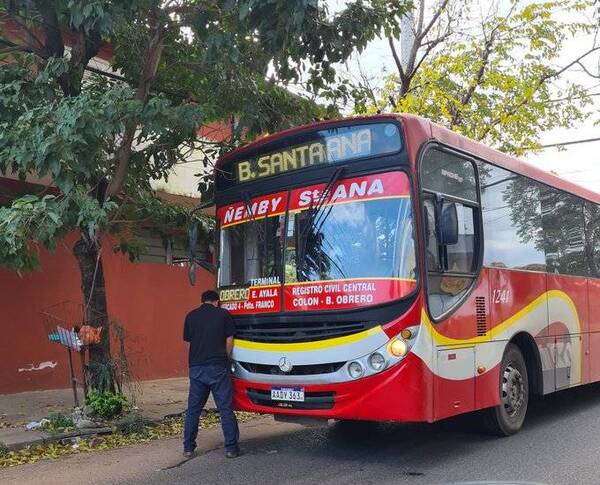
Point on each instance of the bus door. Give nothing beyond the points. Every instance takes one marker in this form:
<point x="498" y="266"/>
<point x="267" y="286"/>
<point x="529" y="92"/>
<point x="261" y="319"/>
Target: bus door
<point x="452" y="231"/>
<point x="594" y="325"/>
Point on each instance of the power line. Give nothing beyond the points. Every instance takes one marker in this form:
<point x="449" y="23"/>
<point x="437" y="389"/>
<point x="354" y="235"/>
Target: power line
<point x="573" y="142"/>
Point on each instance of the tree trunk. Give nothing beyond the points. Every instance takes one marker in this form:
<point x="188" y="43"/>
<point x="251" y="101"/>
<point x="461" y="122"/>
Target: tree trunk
<point x="87" y="251"/>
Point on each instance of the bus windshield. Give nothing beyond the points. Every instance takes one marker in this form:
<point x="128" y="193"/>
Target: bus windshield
<point x="357" y="240"/>
<point x="317" y="249"/>
<point x="251" y="252"/>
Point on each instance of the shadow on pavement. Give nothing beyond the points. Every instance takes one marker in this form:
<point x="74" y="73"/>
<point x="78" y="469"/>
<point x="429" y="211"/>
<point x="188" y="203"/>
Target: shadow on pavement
<point x="443" y="439"/>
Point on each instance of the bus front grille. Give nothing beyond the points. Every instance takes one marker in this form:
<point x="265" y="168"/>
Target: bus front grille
<point x="302" y="331"/>
<point x="312" y="400"/>
<point x="297" y="370"/>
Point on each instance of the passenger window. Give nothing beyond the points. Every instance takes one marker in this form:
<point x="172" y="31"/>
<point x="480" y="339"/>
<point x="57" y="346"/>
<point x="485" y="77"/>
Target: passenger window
<point x="512" y="220"/>
<point x="563" y="221"/>
<point x="451" y="227"/>
<point x="592" y="238"/>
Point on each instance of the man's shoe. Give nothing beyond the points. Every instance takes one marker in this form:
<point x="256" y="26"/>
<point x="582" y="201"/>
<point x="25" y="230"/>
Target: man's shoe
<point x="232" y="454"/>
<point x="188" y="454"/>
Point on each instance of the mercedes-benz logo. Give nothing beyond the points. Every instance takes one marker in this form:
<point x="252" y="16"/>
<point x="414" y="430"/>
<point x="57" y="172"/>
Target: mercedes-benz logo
<point x="285" y="365"/>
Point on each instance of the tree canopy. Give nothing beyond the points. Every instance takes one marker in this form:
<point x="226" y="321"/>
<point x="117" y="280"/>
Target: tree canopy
<point x="180" y="64"/>
<point x="497" y="75"/>
<point x="176" y="65"/>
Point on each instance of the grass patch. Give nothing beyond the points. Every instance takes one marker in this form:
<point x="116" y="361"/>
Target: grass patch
<point x="129" y="433"/>
<point x="58" y="423"/>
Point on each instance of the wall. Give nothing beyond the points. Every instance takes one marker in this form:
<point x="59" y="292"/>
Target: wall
<point x="148" y="300"/>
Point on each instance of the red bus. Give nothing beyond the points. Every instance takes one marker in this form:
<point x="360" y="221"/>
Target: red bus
<point x="386" y="268"/>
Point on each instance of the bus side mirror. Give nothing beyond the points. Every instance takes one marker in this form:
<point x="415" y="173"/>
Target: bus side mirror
<point x="194" y="260"/>
<point x="449" y="224"/>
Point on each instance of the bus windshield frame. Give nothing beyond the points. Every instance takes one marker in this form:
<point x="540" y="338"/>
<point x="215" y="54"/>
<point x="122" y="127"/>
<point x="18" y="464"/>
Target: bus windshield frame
<point x="327" y="230"/>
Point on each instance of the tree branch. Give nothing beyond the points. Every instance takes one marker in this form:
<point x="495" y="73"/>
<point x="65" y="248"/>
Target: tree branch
<point x="396" y="57"/>
<point x="429" y="47"/>
<point x="53" y="41"/>
<point x="576" y="61"/>
<point x="487" y="50"/>
<point x="539" y="83"/>
<point x="432" y="22"/>
<point x="585" y="69"/>
<point x="34" y="44"/>
<point x="15" y="48"/>
<point x="152" y="57"/>
<point x="406" y="73"/>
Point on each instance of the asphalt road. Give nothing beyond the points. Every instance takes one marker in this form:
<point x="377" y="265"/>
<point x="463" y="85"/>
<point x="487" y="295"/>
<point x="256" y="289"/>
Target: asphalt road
<point x="560" y="444"/>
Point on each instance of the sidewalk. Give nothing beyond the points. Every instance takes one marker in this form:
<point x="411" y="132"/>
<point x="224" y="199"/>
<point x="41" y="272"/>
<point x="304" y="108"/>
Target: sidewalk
<point x="154" y="399"/>
<point x="157" y="460"/>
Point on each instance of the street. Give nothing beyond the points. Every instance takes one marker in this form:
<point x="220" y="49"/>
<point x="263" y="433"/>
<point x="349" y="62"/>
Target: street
<point x="560" y="444"/>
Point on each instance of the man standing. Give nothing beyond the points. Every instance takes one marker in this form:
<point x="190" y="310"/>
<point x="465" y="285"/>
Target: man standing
<point x="209" y="331"/>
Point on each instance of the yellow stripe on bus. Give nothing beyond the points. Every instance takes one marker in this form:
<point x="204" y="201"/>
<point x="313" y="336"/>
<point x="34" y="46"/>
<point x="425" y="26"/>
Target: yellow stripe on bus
<point x="442" y="340"/>
<point x="306" y="346"/>
<point x="251" y="219"/>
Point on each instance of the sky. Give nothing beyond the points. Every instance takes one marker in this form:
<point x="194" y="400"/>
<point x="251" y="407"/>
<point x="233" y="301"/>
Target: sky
<point x="579" y="163"/>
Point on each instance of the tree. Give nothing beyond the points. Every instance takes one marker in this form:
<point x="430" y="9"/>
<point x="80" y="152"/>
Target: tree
<point x="179" y="64"/>
<point x="493" y="76"/>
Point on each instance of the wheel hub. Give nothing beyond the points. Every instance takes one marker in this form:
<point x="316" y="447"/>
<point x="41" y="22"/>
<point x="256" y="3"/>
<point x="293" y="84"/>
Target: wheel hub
<point x="513" y="390"/>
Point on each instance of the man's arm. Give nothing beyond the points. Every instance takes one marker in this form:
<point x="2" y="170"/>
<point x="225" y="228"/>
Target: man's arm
<point x="187" y="334"/>
<point x="229" y="333"/>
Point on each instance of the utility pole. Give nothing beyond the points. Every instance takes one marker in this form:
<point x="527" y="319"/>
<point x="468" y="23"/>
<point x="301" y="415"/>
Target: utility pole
<point x="407" y="40"/>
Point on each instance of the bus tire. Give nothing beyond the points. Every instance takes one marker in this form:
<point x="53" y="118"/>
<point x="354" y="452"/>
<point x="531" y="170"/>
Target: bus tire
<point x="507" y="418"/>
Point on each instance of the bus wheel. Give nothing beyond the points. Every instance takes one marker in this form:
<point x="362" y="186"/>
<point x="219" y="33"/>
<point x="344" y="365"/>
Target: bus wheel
<point x="507" y="418"/>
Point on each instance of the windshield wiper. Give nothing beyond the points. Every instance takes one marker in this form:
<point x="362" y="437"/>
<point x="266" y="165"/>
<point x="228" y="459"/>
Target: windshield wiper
<point x="314" y="215"/>
<point x="313" y="212"/>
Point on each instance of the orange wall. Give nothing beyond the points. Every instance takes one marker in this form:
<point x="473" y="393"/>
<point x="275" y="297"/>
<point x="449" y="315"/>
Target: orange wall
<point x="148" y="300"/>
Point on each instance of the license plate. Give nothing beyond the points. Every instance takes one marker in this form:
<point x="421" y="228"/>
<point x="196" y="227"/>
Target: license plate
<point x="287" y="394"/>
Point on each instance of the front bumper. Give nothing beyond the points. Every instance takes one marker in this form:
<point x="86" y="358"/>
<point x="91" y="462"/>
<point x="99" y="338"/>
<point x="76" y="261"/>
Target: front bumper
<point x="400" y="393"/>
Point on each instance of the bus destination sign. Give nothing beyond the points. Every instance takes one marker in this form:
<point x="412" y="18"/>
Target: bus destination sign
<point x="327" y="146"/>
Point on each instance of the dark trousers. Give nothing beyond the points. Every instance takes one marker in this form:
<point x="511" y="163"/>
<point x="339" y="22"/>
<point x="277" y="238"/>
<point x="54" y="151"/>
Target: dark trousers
<point x="203" y="380"/>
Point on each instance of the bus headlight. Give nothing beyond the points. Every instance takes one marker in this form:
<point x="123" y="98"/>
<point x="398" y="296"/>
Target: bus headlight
<point x="390" y="353"/>
<point x="232" y="367"/>
<point x="355" y="369"/>
<point x="377" y="361"/>
<point x="397" y="347"/>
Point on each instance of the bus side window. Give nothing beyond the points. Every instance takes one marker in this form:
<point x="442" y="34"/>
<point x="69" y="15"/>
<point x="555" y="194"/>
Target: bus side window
<point x="431" y="243"/>
<point x="592" y="238"/>
<point x="461" y="255"/>
<point x="449" y="199"/>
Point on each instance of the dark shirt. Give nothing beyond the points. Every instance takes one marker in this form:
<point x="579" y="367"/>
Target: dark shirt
<point x="206" y="329"/>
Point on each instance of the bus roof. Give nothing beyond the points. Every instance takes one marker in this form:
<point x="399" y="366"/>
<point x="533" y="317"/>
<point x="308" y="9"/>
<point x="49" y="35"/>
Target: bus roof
<point x="423" y="129"/>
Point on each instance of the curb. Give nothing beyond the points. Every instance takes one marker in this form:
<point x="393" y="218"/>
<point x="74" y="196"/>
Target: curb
<point x="45" y="438"/>
<point x="41" y="438"/>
